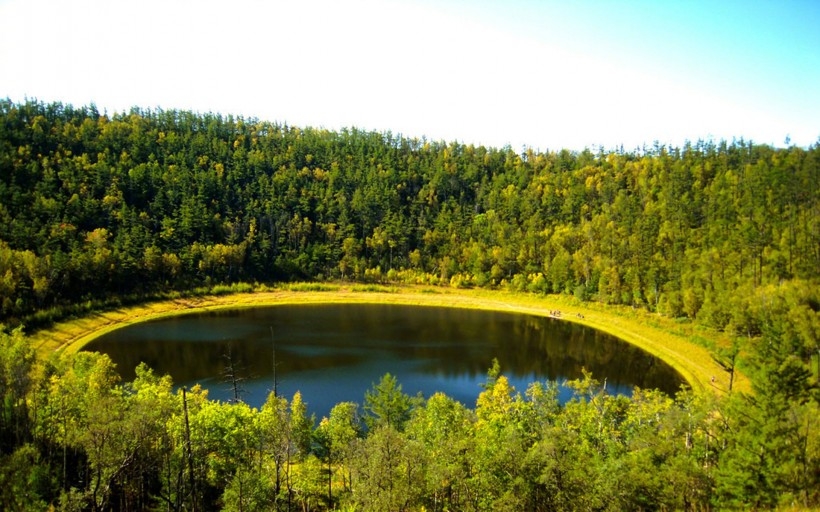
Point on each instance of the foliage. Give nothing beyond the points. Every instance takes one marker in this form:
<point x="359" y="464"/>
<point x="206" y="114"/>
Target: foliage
<point x="95" y="206"/>
<point x="386" y="404"/>
<point x="99" y="209"/>
<point x="88" y="441"/>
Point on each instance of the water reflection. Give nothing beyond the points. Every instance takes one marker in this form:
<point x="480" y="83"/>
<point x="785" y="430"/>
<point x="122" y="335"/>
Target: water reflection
<point x="333" y="353"/>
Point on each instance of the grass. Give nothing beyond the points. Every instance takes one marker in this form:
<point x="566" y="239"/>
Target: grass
<point x="311" y="287"/>
<point x="374" y="288"/>
<point x="682" y="346"/>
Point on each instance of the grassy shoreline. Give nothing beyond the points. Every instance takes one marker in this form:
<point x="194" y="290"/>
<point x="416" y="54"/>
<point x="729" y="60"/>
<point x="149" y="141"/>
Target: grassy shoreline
<point x="664" y="338"/>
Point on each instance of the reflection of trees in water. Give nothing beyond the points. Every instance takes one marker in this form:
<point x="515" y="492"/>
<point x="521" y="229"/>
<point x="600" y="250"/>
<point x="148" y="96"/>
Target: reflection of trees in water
<point x="192" y="361"/>
<point x="465" y="341"/>
<point x="529" y="345"/>
<point x="565" y="348"/>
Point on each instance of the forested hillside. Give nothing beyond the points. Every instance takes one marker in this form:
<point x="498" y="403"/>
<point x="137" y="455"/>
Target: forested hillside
<point x="94" y="204"/>
<point x="97" y="207"/>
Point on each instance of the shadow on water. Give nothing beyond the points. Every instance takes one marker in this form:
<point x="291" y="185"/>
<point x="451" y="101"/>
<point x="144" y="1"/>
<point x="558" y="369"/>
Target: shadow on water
<point x="333" y="353"/>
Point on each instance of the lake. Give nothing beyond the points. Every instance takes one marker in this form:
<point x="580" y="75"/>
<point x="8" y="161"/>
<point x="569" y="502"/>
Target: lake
<point x="334" y="353"/>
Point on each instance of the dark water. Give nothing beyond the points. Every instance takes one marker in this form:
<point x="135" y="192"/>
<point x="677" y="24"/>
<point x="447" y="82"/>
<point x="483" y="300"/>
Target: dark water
<point x="334" y="353"/>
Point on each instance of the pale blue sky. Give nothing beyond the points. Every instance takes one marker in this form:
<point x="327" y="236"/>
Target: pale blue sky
<point x="526" y="73"/>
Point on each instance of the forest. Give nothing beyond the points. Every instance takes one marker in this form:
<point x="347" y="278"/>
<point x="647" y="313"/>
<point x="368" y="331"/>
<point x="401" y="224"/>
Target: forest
<point x="100" y="209"/>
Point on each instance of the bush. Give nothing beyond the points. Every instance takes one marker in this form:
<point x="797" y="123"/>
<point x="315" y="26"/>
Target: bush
<point x="311" y="287"/>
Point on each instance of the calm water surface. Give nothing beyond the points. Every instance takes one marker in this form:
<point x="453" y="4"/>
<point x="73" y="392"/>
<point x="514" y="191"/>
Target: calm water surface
<point x="334" y="353"/>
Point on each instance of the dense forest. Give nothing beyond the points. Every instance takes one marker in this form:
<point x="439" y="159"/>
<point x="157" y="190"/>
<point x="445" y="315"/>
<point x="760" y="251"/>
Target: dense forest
<point x="98" y="208"/>
<point x="94" y="205"/>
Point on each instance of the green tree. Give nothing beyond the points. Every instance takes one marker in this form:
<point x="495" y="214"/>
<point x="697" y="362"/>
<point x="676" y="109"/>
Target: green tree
<point x="387" y="471"/>
<point x="771" y="435"/>
<point x="335" y="436"/>
<point x="17" y="360"/>
<point x="275" y="450"/>
<point x="444" y="427"/>
<point x="386" y="404"/>
<point x="23" y="480"/>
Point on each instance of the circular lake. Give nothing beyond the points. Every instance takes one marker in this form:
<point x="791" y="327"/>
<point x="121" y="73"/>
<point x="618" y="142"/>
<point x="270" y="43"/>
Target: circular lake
<point x="334" y="353"/>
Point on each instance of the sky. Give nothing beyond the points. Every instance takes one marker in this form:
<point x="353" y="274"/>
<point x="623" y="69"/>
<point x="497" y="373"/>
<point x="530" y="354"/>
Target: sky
<point x="541" y="74"/>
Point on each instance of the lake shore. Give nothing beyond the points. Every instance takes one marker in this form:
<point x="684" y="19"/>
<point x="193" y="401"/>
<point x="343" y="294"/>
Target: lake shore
<point x="671" y="341"/>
